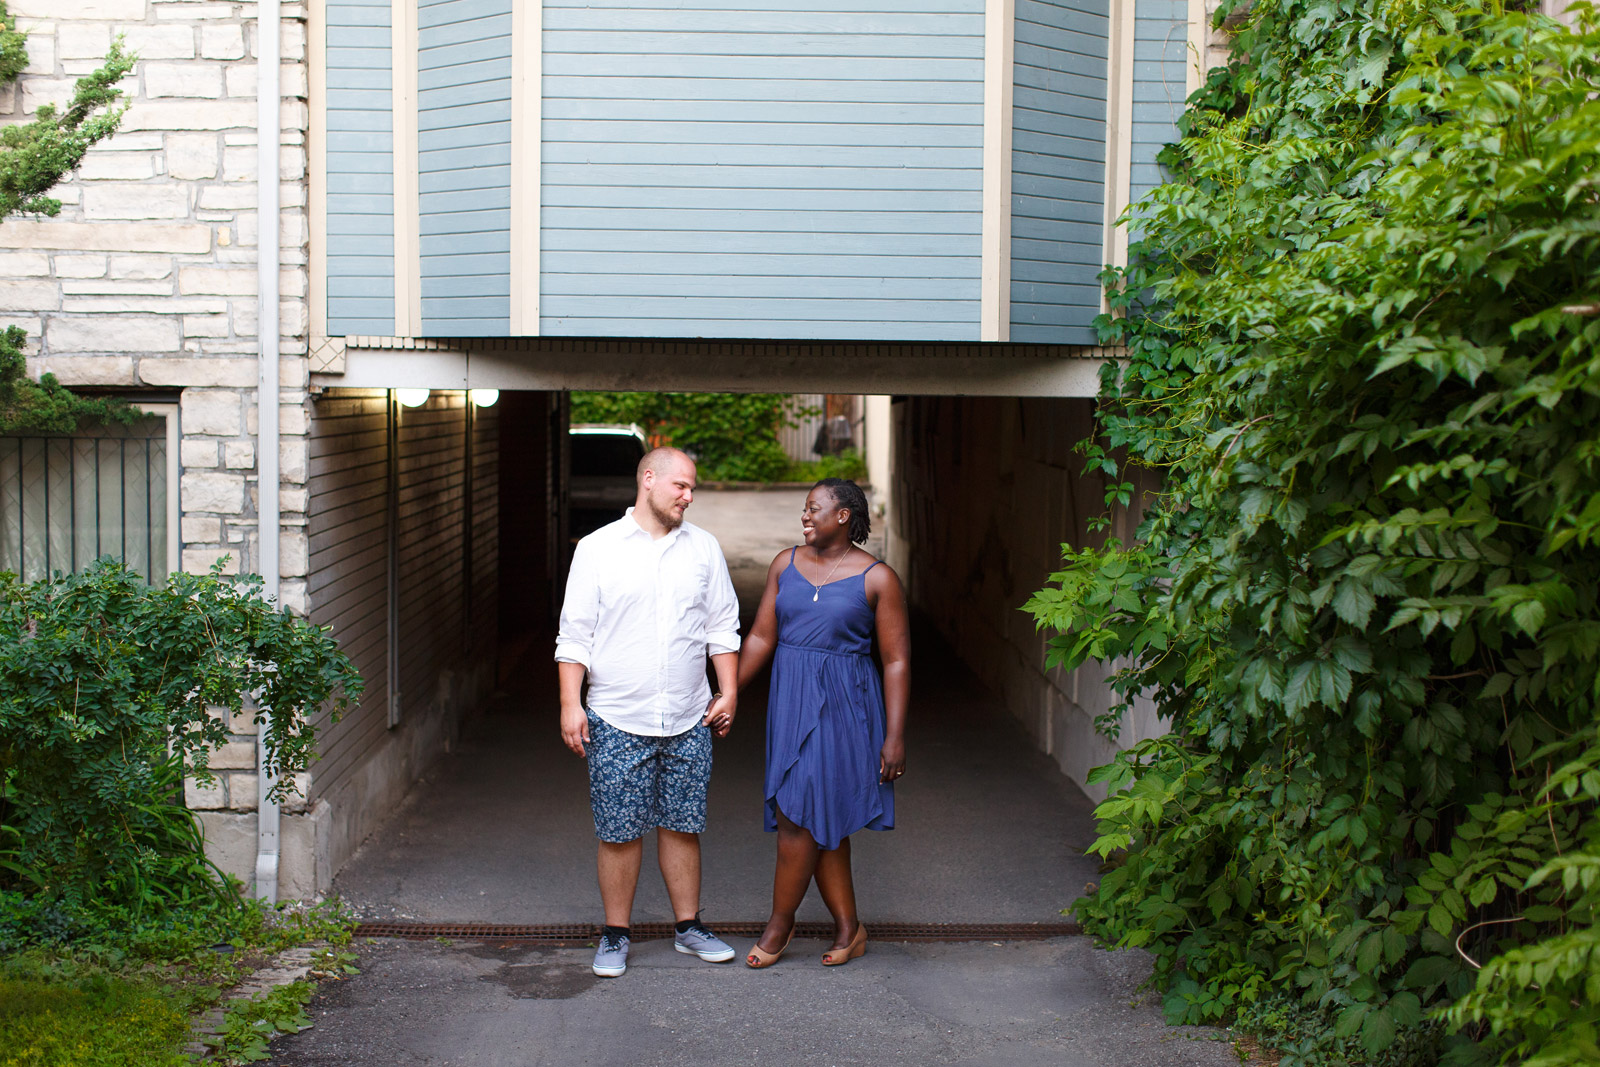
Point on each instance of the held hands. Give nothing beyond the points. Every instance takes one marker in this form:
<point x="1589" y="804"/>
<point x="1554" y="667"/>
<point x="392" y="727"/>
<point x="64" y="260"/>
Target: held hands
<point x="720" y="713"/>
<point x="574" y="728"/>
<point x="892" y="760"/>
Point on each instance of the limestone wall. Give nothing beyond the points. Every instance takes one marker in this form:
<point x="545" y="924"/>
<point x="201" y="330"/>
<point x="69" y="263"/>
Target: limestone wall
<point x="146" y="283"/>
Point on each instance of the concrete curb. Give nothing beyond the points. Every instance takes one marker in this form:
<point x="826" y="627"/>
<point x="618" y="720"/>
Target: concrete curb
<point x="289" y="966"/>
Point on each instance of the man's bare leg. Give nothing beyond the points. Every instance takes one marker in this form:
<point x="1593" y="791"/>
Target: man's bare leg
<point x="619" y="878"/>
<point x="680" y="869"/>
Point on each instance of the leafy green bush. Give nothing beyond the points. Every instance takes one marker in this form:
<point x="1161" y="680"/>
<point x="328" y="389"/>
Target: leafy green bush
<point x="1361" y="333"/>
<point x="847" y="464"/>
<point x="107" y="691"/>
<point x="732" y="436"/>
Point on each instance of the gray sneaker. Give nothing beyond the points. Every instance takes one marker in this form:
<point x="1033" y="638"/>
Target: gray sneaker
<point x="611" y="956"/>
<point x="698" y="941"/>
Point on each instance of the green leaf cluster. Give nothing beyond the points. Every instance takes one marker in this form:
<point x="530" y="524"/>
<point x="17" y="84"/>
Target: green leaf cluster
<point x="47" y="406"/>
<point x="35" y="155"/>
<point x="732" y="436"/>
<point x="109" y="691"/>
<point x="249" y="1024"/>
<point x="1361" y="348"/>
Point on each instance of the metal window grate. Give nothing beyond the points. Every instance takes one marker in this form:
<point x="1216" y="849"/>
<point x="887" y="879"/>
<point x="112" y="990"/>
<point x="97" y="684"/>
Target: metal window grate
<point x="66" y="501"/>
<point x="581" y="933"/>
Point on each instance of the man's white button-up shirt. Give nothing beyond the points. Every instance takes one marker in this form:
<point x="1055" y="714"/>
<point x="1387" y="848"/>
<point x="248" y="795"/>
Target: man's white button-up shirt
<point x="641" y="614"/>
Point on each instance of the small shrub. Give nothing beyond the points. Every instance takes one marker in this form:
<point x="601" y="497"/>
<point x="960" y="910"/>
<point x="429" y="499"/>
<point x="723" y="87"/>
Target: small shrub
<point x="106" y="694"/>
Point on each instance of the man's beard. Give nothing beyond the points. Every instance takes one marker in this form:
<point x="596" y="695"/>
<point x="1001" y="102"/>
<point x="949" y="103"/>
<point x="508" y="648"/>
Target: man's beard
<point x="666" y="516"/>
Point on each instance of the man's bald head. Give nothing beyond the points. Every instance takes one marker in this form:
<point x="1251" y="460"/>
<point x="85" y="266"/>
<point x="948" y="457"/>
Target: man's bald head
<point x="661" y="462"/>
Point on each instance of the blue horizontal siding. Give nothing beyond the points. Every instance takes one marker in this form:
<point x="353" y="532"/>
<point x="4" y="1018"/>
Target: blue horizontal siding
<point x="762" y="169"/>
<point x="763" y="183"/>
<point x="1160" y="83"/>
<point x="698" y="269"/>
<point x="360" y="168"/>
<point x="611" y="84"/>
<point x="463" y="166"/>
<point x="1058" y="169"/>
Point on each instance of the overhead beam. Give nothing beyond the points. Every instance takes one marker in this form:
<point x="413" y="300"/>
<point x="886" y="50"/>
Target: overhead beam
<point x="727" y="367"/>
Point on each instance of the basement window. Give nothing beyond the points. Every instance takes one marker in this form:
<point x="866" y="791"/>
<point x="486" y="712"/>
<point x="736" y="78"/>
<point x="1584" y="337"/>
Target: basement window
<point x="67" y="500"/>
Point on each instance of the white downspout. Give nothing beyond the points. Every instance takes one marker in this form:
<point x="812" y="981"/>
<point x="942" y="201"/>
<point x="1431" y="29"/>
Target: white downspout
<point x="269" y="138"/>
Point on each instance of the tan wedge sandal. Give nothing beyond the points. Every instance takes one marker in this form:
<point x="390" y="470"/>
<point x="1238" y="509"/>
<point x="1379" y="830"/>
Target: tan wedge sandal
<point x="758" y="958"/>
<point x="857" y="946"/>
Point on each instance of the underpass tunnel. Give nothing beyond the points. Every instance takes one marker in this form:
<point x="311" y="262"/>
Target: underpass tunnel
<point x="438" y="536"/>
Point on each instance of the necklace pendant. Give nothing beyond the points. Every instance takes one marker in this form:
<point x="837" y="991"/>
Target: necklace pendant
<point x="815" y="595"/>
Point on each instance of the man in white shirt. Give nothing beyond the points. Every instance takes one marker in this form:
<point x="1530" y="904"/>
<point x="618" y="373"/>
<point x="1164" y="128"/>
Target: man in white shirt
<point x="648" y="597"/>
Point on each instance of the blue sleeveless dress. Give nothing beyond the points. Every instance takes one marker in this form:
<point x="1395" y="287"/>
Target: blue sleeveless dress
<point x="825" y="713"/>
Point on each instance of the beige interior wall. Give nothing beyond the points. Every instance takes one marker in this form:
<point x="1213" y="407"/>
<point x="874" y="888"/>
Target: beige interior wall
<point x="985" y="492"/>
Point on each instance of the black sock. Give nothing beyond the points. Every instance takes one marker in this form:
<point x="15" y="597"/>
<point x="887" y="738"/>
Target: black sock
<point x="683" y="926"/>
<point x="617" y="931"/>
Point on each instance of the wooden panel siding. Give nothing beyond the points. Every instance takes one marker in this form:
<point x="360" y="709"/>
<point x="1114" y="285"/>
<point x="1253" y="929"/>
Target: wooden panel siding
<point x="432" y="494"/>
<point x="1058" y="169"/>
<point x="1160" y="60"/>
<point x="447" y="638"/>
<point x="348" y="580"/>
<point x="748" y="168"/>
<point x="464" y="166"/>
<point x="360" y="168"/>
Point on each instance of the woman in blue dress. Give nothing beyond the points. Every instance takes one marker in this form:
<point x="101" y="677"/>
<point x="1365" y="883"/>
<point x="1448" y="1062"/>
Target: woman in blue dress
<point x="835" y="735"/>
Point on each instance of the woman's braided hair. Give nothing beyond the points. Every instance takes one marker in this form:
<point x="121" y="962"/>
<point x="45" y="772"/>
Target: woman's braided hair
<point x="847" y="494"/>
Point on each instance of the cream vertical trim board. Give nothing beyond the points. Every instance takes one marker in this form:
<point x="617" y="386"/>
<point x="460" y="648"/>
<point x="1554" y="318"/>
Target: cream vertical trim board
<point x="407" y="203"/>
<point x="527" y="136"/>
<point x="999" y="48"/>
<point x="317" y="164"/>
<point x="169" y="413"/>
<point x="1198" y="37"/>
<point x="1119" y="132"/>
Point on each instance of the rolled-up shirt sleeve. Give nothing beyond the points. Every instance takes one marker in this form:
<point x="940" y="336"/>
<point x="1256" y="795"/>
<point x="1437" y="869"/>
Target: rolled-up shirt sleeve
<point x="722" y="607"/>
<point x="580" y="609"/>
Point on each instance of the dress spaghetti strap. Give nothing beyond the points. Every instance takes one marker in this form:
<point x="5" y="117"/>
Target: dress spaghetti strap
<point x="874" y="563"/>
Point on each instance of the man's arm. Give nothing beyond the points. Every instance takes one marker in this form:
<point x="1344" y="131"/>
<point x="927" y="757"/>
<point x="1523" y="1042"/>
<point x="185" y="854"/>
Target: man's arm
<point x="574" y="723"/>
<point x="722" y="642"/>
<point x="580" y="609"/>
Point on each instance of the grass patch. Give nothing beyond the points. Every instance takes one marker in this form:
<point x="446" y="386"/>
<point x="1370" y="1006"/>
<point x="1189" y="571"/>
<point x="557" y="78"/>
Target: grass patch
<point x="96" y="1020"/>
<point x="95" y="988"/>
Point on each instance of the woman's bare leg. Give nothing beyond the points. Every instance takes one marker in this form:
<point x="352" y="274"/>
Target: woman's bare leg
<point x="838" y="889"/>
<point x="797" y="862"/>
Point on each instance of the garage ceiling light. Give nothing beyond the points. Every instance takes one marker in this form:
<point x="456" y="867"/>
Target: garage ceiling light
<point x="411" y="398"/>
<point x="485" y="398"/>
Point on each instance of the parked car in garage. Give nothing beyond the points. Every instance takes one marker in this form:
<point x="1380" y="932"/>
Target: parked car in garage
<point x="604" y="458"/>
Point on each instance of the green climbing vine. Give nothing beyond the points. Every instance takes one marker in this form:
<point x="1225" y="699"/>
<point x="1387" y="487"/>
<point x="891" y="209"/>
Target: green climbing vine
<point x="1361" y="328"/>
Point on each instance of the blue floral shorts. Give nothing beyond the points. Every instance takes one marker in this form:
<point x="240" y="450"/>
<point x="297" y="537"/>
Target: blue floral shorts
<point x="637" y="783"/>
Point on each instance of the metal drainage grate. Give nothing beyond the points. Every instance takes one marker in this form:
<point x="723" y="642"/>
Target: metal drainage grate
<point x="580" y="933"/>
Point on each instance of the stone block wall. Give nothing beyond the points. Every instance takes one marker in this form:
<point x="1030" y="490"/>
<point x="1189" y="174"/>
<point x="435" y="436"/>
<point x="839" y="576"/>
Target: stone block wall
<point x="146" y="284"/>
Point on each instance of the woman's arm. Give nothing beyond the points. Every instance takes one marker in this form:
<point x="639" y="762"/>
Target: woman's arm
<point x="756" y="651"/>
<point x="894" y="646"/>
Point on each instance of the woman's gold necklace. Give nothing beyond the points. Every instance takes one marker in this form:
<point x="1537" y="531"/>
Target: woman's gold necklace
<point x="829" y="578"/>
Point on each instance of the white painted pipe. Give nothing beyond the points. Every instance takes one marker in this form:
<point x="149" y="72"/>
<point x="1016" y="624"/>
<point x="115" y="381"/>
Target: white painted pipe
<point x="269" y="139"/>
